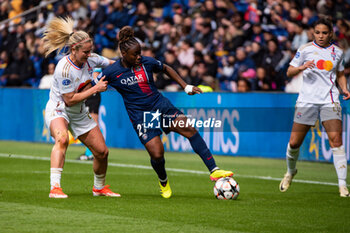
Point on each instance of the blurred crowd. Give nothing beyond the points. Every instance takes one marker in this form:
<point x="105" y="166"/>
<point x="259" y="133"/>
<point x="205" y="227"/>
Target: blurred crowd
<point x="220" y="45"/>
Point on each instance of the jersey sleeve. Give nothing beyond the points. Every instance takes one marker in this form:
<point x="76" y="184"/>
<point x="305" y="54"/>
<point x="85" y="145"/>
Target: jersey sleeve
<point x="98" y="61"/>
<point x="340" y="66"/>
<point x="65" y="82"/>
<point x="108" y="73"/>
<point x="298" y="59"/>
<point x="157" y="65"/>
<point x="97" y="79"/>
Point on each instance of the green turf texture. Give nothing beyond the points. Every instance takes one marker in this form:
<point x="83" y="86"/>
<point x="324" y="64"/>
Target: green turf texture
<point x="25" y="206"/>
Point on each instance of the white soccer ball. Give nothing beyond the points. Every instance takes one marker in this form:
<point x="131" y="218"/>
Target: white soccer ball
<point x="226" y="189"/>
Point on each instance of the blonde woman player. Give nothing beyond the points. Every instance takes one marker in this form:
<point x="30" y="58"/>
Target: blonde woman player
<point x="322" y="65"/>
<point x="66" y="108"/>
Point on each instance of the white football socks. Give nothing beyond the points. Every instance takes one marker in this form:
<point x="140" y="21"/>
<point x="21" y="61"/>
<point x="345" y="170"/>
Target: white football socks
<point x="55" y="177"/>
<point x="99" y="181"/>
<point x="292" y="156"/>
<point x="214" y="169"/>
<point x="340" y="164"/>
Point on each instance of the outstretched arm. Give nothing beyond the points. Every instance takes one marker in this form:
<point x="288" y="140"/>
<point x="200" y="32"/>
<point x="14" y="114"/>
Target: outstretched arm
<point x="189" y="89"/>
<point x="341" y="79"/>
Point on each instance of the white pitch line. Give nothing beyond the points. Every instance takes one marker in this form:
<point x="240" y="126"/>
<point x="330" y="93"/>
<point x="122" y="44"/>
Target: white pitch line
<point x="30" y="157"/>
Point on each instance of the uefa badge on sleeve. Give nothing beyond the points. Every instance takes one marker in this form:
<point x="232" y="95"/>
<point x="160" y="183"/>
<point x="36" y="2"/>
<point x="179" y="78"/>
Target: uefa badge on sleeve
<point x="151" y="120"/>
<point x="66" y="82"/>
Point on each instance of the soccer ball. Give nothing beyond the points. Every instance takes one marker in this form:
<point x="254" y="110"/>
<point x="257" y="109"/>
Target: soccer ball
<point x="226" y="188"/>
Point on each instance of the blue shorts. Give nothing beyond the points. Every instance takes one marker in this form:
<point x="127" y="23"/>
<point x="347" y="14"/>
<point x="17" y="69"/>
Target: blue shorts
<point x="150" y="123"/>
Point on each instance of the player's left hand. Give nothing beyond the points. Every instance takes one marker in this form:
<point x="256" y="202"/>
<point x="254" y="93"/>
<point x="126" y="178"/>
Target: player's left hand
<point x="346" y="95"/>
<point x="195" y="90"/>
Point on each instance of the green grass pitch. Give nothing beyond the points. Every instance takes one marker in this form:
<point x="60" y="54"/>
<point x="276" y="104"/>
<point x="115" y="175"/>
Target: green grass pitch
<point x="25" y="206"/>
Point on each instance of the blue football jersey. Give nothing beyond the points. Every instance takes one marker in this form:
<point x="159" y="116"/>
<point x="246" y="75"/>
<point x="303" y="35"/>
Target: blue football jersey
<point x="136" y="84"/>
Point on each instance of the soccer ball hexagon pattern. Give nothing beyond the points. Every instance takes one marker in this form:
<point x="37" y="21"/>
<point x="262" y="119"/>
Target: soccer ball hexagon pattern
<point x="226" y="189"/>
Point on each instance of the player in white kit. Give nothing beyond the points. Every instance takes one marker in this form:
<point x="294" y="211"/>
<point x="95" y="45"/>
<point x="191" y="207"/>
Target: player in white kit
<point x="322" y="65"/>
<point x="66" y="109"/>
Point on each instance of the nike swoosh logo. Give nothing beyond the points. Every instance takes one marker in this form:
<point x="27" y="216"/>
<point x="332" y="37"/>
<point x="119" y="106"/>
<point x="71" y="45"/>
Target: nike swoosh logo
<point x="119" y="75"/>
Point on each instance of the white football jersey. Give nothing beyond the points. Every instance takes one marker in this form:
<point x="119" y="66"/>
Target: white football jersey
<point x="70" y="78"/>
<point x="319" y="83"/>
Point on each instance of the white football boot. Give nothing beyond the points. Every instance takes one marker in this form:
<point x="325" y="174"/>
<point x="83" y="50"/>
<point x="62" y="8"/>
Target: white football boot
<point x="287" y="181"/>
<point x="344" y="192"/>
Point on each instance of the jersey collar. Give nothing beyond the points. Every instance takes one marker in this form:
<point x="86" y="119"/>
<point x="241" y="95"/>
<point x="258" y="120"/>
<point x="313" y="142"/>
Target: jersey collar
<point x="74" y="65"/>
<point x="319" y="46"/>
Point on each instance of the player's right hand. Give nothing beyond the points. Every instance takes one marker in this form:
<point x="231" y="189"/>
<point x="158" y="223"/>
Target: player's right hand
<point x="195" y="90"/>
<point x="346" y="95"/>
<point x="101" y="86"/>
<point x="308" y="64"/>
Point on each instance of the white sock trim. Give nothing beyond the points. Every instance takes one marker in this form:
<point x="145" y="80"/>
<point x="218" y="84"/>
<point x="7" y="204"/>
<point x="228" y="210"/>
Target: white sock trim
<point x="338" y="150"/>
<point x="214" y="169"/>
<point x="56" y="170"/>
<point x="293" y="151"/>
<point x="99" y="181"/>
<point x="162" y="181"/>
<point x="55" y="177"/>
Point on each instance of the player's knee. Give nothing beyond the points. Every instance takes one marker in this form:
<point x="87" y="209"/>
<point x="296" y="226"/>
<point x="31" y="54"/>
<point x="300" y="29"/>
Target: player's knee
<point x="62" y="139"/>
<point x="188" y="132"/>
<point x="105" y="153"/>
<point x="158" y="154"/>
<point x="293" y="144"/>
<point x="336" y="142"/>
<point x="335" y="139"/>
<point x="102" y="154"/>
<point x="192" y="131"/>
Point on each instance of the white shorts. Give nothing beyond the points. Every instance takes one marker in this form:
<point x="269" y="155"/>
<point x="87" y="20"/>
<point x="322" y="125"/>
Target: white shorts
<point x="308" y="113"/>
<point x="79" y="123"/>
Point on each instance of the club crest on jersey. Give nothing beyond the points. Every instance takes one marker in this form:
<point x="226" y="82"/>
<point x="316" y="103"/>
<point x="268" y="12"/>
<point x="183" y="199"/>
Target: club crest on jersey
<point x="137" y="68"/>
<point x="333" y="53"/>
<point x="299" y="115"/>
<point x="90" y="71"/>
<point x="144" y="136"/>
<point x="58" y="112"/>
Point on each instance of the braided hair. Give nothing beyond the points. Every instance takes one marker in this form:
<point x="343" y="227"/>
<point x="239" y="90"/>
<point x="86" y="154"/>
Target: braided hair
<point x="127" y="39"/>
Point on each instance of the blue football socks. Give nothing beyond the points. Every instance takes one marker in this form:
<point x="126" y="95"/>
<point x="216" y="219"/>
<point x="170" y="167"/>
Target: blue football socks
<point x="159" y="167"/>
<point x="200" y="147"/>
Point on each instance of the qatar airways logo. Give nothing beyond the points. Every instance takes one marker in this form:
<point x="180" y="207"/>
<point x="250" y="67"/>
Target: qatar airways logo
<point x="133" y="80"/>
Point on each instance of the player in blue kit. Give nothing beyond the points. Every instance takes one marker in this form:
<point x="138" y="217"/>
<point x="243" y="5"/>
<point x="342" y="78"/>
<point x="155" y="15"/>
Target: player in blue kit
<point x="132" y="77"/>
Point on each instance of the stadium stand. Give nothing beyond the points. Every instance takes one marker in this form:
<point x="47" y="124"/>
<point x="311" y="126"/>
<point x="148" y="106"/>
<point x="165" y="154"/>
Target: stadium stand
<point x="230" y="39"/>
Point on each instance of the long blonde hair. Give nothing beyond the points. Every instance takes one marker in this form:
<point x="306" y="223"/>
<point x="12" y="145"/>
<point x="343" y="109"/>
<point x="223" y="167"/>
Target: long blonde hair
<point x="59" y="33"/>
